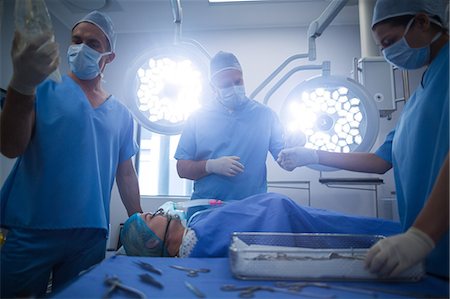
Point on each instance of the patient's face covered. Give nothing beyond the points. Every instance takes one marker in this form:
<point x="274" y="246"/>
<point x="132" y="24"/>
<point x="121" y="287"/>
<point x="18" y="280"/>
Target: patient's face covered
<point x="139" y="240"/>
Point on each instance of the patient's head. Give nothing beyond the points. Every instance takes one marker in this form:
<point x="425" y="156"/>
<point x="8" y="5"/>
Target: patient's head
<point x="145" y="234"/>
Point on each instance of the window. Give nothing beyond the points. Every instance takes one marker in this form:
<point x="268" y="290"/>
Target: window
<point x="156" y="166"/>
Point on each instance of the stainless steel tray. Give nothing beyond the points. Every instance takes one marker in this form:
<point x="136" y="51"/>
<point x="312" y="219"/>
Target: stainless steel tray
<point x="290" y="256"/>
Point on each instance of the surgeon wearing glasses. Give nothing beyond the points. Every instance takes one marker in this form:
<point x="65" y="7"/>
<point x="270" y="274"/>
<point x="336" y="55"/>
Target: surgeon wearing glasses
<point x="224" y="145"/>
<point x="412" y="34"/>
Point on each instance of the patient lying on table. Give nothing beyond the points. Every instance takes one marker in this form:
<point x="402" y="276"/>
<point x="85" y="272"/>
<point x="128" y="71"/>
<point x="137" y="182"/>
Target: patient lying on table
<point x="208" y="233"/>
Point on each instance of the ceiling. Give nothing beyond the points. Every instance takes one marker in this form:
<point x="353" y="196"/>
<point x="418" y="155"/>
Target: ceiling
<point x="131" y="16"/>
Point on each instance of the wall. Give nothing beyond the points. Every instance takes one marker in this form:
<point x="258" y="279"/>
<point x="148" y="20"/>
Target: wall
<point x="260" y="51"/>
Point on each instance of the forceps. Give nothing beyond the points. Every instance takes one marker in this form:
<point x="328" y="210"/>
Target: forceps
<point x="191" y="271"/>
<point x="115" y="283"/>
<point x="249" y="291"/>
<point x="245" y="292"/>
<point x="148" y="267"/>
<point x="299" y="286"/>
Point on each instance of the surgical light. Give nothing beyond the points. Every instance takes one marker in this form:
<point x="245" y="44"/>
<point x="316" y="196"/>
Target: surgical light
<point x="333" y="113"/>
<point x="166" y="87"/>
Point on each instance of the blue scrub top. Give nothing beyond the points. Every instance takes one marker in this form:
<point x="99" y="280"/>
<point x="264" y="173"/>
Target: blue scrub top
<point x="250" y="133"/>
<point x="64" y="178"/>
<point x="417" y="149"/>
<point x="272" y="212"/>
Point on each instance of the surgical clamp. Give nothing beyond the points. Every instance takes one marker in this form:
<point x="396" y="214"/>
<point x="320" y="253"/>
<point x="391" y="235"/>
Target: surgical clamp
<point x="191" y="272"/>
<point x="115" y="283"/>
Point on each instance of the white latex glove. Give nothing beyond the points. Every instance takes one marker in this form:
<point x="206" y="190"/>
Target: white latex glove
<point x="32" y="62"/>
<point x="227" y="166"/>
<point x="393" y="255"/>
<point x="298" y="156"/>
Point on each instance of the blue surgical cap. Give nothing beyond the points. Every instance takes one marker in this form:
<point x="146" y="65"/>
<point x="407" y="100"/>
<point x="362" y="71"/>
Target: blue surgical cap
<point x="385" y="9"/>
<point x="104" y="23"/>
<point x="139" y="240"/>
<point x="223" y="61"/>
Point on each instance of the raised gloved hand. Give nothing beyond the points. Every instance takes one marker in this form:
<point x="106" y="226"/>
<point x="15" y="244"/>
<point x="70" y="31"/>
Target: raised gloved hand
<point x="33" y="62"/>
<point x="298" y="156"/>
<point x="227" y="166"/>
<point x="393" y="255"/>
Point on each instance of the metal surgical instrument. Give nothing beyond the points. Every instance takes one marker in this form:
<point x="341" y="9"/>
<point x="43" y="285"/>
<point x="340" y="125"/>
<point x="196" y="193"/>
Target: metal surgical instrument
<point x="245" y="292"/>
<point x="248" y="291"/>
<point x="147" y="278"/>
<point x="195" y="290"/>
<point x="114" y="283"/>
<point x="298" y="286"/>
<point x="148" y="267"/>
<point x="191" y="271"/>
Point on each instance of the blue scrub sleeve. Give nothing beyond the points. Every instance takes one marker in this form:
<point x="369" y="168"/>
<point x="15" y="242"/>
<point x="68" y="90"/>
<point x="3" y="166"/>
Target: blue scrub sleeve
<point x="385" y="150"/>
<point x="128" y="148"/>
<point x="187" y="144"/>
<point x="277" y="136"/>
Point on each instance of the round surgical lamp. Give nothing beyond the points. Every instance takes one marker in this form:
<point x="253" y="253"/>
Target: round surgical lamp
<point x="165" y="86"/>
<point x="333" y="114"/>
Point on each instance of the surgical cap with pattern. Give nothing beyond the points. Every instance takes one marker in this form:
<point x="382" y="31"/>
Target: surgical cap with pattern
<point x="386" y="9"/>
<point x="104" y="23"/>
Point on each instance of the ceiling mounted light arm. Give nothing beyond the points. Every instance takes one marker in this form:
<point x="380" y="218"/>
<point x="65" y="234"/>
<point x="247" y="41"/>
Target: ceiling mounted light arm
<point x="177" y="18"/>
<point x="275" y="73"/>
<point x="318" y="26"/>
<point x="315" y="29"/>
<point x="325" y="67"/>
<point x="177" y="12"/>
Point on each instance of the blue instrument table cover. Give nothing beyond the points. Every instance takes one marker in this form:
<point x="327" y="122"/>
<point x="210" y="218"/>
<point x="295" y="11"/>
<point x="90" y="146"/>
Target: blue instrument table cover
<point x="91" y="284"/>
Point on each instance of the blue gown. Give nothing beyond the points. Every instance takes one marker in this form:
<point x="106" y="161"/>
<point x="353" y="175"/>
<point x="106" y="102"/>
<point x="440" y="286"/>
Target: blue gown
<point x="64" y="178"/>
<point x="417" y="149"/>
<point x="250" y="133"/>
<point x="272" y="212"/>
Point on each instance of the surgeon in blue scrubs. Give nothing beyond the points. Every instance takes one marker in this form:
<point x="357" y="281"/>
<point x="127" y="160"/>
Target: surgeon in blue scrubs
<point x="412" y="34"/>
<point x="224" y="145"/>
<point x="71" y="140"/>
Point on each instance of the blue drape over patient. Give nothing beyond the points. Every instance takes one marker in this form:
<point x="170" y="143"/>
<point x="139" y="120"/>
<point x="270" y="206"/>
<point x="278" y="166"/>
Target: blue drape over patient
<point x="272" y="212"/>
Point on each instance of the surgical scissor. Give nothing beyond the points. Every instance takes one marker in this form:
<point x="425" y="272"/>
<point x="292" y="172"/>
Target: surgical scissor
<point x="114" y="283"/>
<point x="191" y="271"/>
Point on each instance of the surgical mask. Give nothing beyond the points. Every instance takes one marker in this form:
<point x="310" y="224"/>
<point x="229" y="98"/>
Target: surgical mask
<point x="83" y="61"/>
<point x="170" y="208"/>
<point x="403" y="56"/>
<point x="232" y="97"/>
<point x="139" y="240"/>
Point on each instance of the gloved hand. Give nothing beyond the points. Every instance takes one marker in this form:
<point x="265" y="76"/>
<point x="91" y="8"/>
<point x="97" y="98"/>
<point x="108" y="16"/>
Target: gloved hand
<point x="33" y="62"/>
<point x="298" y="156"/>
<point x="227" y="166"/>
<point x="393" y="255"/>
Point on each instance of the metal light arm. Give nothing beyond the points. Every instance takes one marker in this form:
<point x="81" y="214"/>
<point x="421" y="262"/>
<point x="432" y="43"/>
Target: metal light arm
<point x="318" y="26"/>
<point x="177" y="12"/>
